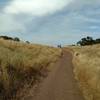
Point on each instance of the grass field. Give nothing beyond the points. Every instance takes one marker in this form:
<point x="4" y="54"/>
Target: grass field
<point x="87" y="70"/>
<point x="22" y="63"/>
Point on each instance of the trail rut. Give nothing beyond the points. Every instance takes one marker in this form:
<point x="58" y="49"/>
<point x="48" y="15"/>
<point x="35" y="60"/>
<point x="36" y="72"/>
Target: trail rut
<point x="60" y="83"/>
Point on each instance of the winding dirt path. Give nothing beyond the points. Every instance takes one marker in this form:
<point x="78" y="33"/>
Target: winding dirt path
<point x="60" y="83"/>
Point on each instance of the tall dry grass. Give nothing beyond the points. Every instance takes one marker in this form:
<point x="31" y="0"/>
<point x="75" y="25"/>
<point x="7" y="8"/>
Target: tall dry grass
<point x="87" y="70"/>
<point x="22" y="63"/>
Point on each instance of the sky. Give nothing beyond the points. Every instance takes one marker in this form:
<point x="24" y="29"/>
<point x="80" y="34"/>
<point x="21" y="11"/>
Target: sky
<point x="50" y="22"/>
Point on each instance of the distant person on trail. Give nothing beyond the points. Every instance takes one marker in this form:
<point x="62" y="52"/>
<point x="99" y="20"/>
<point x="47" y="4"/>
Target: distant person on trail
<point x="59" y="46"/>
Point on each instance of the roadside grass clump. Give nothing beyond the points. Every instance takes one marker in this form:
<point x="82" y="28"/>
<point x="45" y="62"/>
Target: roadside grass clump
<point x="21" y="64"/>
<point x="87" y="70"/>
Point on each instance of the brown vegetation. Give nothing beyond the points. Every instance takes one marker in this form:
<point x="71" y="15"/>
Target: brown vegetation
<point x="87" y="70"/>
<point x="22" y="63"/>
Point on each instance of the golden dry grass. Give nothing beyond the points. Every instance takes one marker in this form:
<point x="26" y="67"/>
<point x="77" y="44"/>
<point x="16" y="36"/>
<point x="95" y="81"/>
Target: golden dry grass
<point x="87" y="70"/>
<point x="21" y="62"/>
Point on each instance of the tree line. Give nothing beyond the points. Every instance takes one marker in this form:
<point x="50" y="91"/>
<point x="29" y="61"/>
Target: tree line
<point x="13" y="39"/>
<point x="10" y="38"/>
<point x="88" y="41"/>
<point x="84" y="41"/>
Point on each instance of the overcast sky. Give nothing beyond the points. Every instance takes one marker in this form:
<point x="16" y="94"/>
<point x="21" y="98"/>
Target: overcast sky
<point x="50" y="21"/>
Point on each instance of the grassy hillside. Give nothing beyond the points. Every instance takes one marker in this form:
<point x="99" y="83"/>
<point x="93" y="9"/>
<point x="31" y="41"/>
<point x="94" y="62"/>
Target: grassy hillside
<point x="22" y="63"/>
<point x="87" y="70"/>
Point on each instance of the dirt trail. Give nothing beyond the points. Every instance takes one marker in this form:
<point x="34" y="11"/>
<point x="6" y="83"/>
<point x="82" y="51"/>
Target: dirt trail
<point x="60" y="83"/>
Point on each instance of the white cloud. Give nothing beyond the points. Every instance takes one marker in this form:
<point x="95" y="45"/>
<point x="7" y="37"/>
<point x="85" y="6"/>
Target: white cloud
<point x="28" y="16"/>
<point x="8" y="23"/>
<point x="36" y="7"/>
